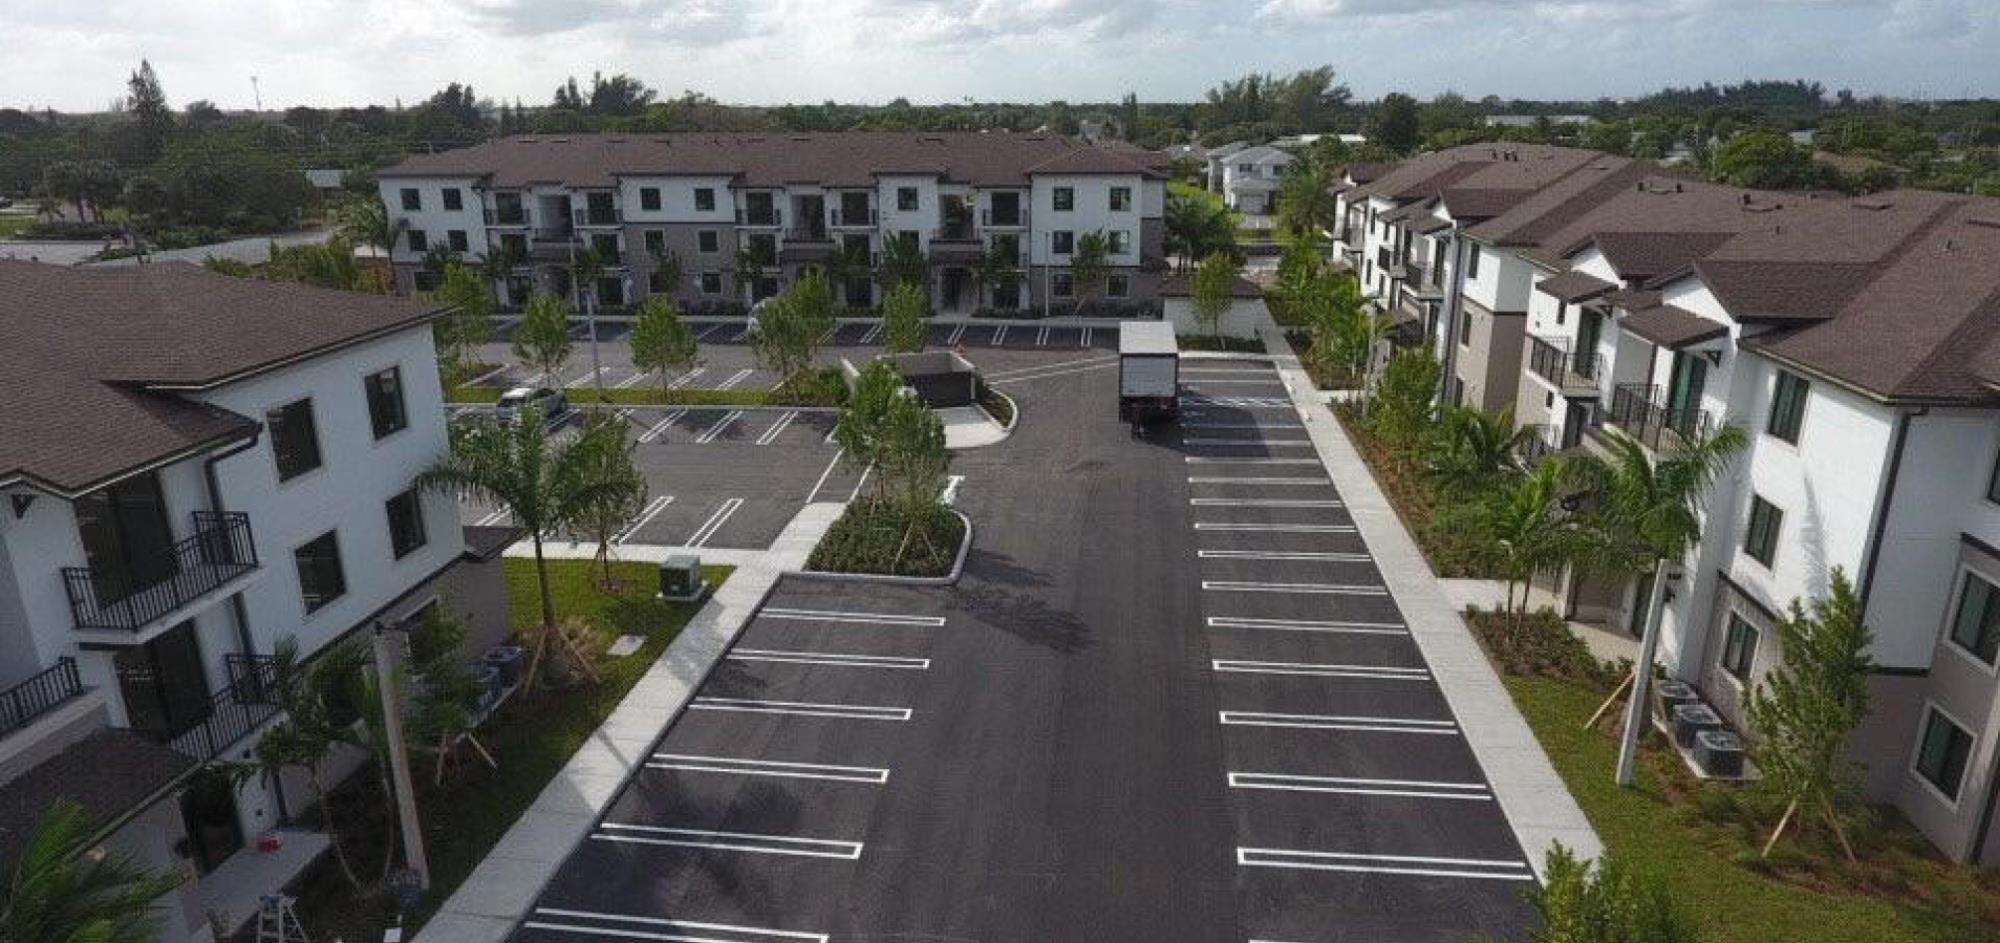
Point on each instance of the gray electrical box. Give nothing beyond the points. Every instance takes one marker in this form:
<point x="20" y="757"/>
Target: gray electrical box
<point x="680" y="579"/>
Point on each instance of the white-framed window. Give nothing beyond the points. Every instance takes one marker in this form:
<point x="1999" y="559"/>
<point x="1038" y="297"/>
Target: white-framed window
<point x="1117" y="286"/>
<point x="1117" y="242"/>
<point x="1944" y="750"/>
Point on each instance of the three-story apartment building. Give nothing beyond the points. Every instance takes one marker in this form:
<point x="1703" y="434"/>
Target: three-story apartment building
<point x="194" y="468"/>
<point x="994" y="217"/>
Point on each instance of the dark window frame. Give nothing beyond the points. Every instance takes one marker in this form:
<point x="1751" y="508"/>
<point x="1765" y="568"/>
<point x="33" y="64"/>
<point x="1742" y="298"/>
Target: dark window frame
<point x="458" y="240"/>
<point x="1993" y="480"/>
<point x="908" y="200"/>
<point x="420" y="241"/>
<point x="649" y="199"/>
<point x="707" y="241"/>
<point x="1984" y="644"/>
<point x="1936" y="762"/>
<point x="1117" y="286"/>
<point x="454" y="199"/>
<point x="1120" y="199"/>
<point x="1760" y="535"/>
<point x="388" y="411"/>
<point x="704" y="199"/>
<point x="1739" y="647"/>
<point x="1788" y="407"/>
<point x="1062" y="242"/>
<point x="1062" y="199"/>
<point x="1472" y="254"/>
<point x="711" y="283"/>
<point x="325" y="564"/>
<point x="413" y="200"/>
<point x="655" y="240"/>
<point x="407" y="535"/>
<point x="293" y="457"/>
<point x="1062" y="285"/>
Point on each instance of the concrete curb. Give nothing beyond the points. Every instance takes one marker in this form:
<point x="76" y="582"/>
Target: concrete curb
<point x="1538" y="806"/>
<point x="957" y="567"/>
<point x="498" y="893"/>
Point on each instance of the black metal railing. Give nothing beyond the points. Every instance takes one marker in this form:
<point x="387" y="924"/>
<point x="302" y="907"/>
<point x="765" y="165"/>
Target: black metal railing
<point x="1570" y="371"/>
<point x="853" y="220"/>
<point x="807" y="233"/>
<point x="1637" y="410"/>
<point x="1009" y="220"/>
<point x="514" y="217"/>
<point x="44" y="692"/>
<point x="246" y="703"/>
<point x="219" y="550"/>
<point x="563" y="233"/>
<point x="760" y="217"/>
<point x="959" y="233"/>
<point x="599" y="216"/>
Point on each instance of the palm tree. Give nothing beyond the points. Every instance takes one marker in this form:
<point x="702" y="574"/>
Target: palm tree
<point x="1304" y="205"/>
<point x="1648" y="516"/>
<point x="1476" y="449"/>
<point x="623" y="493"/>
<point x="547" y="484"/>
<point x="366" y="222"/>
<point x="1525" y="530"/>
<point x="60" y="893"/>
<point x="1198" y="226"/>
<point x="304" y="739"/>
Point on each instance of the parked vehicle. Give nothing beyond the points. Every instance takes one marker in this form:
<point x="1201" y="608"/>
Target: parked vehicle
<point x="1149" y="372"/>
<point x="553" y="404"/>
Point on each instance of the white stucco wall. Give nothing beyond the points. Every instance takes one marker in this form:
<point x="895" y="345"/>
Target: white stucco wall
<point x="1091" y="211"/>
<point x="433" y="219"/>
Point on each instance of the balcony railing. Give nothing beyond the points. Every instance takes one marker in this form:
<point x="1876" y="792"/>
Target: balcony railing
<point x="599" y="217"/>
<point x="1014" y="220"/>
<point x="21" y="704"/>
<point x="756" y="217"/>
<point x="247" y="702"/>
<point x="846" y="220"/>
<point x="807" y="233"/>
<point x="1637" y="410"/>
<point x="219" y="550"/>
<point x="1570" y="371"/>
<point x="960" y="233"/>
<point x="514" y="217"/>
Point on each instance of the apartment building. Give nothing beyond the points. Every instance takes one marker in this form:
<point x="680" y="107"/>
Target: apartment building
<point x="1250" y="177"/>
<point x="1855" y="339"/>
<point x="995" y="216"/>
<point x="194" y="468"/>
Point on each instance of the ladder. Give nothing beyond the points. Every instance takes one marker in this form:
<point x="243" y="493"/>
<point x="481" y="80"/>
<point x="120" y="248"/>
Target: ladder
<point x="277" y="922"/>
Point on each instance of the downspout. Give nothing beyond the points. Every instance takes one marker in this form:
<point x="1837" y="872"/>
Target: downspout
<point x="1880" y="524"/>
<point x="1453" y="303"/>
<point x="236" y="610"/>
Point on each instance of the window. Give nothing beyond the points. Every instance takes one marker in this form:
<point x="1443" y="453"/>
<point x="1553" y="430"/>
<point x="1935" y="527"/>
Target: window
<point x="711" y="283"/>
<point x="704" y="198"/>
<point x="1062" y="285"/>
<point x="1562" y="312"/>
<point x="1942" y="753"/>
<point x="1739" y="648"/>
<point x="708" y="241"/>
<point x="906" y="198"/>
<point x="427" y="280"/>
<point x="1976" y="627"/>
<point x="1121" y="199"/>
<point x="406" y="523"/>
<point x="656" y="242"/>
<point x="412" y="200"/>
<point x="321" y="580"/>
<point x="454" y="199"/>
<point x="1788" y="407"/>
<point x="1063" y="198"/>
<point x="1471" y="261"/>
<point x="649" y="198"/>
<point x="1993" y="482"/>
<point x="1062" y="242"/>
<point x="1760" y="540"/>
<point x="419" y="241"/>
<point x="1465" y="327"/>
<point x="1117" y="242"/>
<point x="385" y="402"/>
<point x="456" y="239"/>
<point x="1117" y="286"/>
<point x="294" y="440"/>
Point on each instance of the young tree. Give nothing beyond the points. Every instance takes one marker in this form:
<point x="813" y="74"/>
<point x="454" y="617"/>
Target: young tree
<point x="366" y="222"/>
<point x="542" y="338"/>
<point x="58" y="892"/>
<point x="751" y="260"/>
<point x="858" y="431"/>
<point x="1403" y="413"/>
<point x="620" y="493"/>
<point x="790" y="330"/>
<point x="1089" y="264"/>
<point x="304" y="738"/>
<point x="904" y="326"/>
<point x="1213" y="290"/>
<point x="661" y="341"/>
<point x="1305" y="204"/>
<point x="1475" y="450"/>
<point x="912" y="461"/>
<point x="1198" y="224"/>
<point x="903" y="262"/>
<point x="547" y="485"/>
<point x="470" y="322"/>
<point x="667" y="274"/>
<point x="1613" y="903"/>
<point x="1523" y="529"/>
<point x="1810" y="704"/>
<point x="148" y="104"/>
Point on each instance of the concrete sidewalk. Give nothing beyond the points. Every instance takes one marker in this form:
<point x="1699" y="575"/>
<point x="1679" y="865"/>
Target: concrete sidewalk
<point x="494" y="897"/>
<point x="1538" y="805"/>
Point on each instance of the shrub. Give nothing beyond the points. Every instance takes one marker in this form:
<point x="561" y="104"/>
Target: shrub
<point x="891" y="538"/>
<point x="1538" y="646"/>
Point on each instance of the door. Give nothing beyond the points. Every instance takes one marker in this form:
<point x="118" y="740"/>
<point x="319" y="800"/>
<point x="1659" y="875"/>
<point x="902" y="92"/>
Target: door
<point x="162" y="683"/>
<point x="208" y="812"/>
<point x="1589" y="327"/>
<point x="1575" y="416"/>
<point x="127" y="542"/>
<point x="1684" y="385"/>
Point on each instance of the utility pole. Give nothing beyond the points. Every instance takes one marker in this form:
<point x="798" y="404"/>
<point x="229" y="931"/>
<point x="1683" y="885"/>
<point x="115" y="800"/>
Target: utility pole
<point x="1642" y="672"/>
<point x="257" y="94"/>
<point x="387" y="659"/>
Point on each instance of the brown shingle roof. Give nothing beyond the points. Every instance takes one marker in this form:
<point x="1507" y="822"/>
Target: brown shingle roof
<point x="1573" y="286"/>
<point x="107" y="774"/>
<point x="837" y="159"/>
<point x="88" y="351"/>
<point x="1182" y="286"/>
<point x="1673" y="327"/>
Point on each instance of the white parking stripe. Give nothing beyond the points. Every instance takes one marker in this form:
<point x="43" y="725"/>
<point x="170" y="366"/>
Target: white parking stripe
<point x="776" y="768"/>
<point x="829" y="658"/>
<point x="587" y="376"/>
<point x="1084" y="341"/>
<point x="708" y="435"/>
<point x="1243" y="425"/>
<point x="1406" y="788"/>
<point x="1261" y="371"/>
<point x="1234" y="480"/>
<point x="707" y="530"/>
<point x="1249" y="443"/>
<point x="1246" y="460"/>
<point x="653" y="434"/>
<point x="681" y="382"/>
<point x="1477" y="868"/>
<point x="1309" y="589"/>
<point x="738" y="377"/>
<point x="629" y="382"/>
<point x="821" y="483"/>
<point x="676" y="931"/>
<point x="771" y="435"/>
<point x="1327" y="556"/>
<point x="1337" y="722"/>
<point x="1273" y="381"/>
<point x="1242" y="666"/>
<point x="652" y="510"/>
<point x="799" y="708"/>
<point x="729" y="841"/>
<point x="956" y="333"/>
<point x="709" y="330"/>
<point x="862" y="481"/>
<point x="1264" y="503"/>
<point x="1308" y="625"/>
<point x="1042" y="337"/>
<point x="874" y="331"/>
<point x="494" y="517"/>
<point x="1053" y="372"/>
<point x="1058" y="365"/>
<point x="1275" y="528"/>
<point x="999" y="334"/>
<point x="488" y="375"/>
<point x="836" y="615"/>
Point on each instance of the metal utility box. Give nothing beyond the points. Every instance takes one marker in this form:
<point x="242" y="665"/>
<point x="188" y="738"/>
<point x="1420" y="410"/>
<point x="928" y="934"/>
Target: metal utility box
<point x="1149" y="377"/>
<point x="1690" y="720"/>
<point x="1719" y="753"/>
<point x="680" y="579"/>
<point x="1675" y="693"/>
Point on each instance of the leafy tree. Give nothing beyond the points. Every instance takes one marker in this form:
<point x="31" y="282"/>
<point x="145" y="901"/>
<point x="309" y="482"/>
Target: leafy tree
<point x="309" y="729"/>
<point x="858" y="431"/>
<point x="661" y="341"/>
<point x="1447" y="112"/>
<point x="148" y="104"/>
<point x="904" y="326"/>
<point x="1521" y="529"/>
<point x="1304" y="204"/>
<point x="792" y="327"/>
<point x="542" y="340"/>
<point x="903" y="262"/>
<point x="327" y="265"/>
<point x="1612" y="903"/>
<point x="1198" y="225"/>
<point x="470" y="296"/>
<point x="1000" y="265"/>
<point x="1402" y="412"/>
<point x="1395" y="124"/>
<point x="1344" y="334"/>
<point x="1213" y="290"/>
<point x="1475" y="450"/>
<point x="911" y="453"/>
<point x="620" y="94"/>
<point x="1300" y="265"/>
<point x="1765" y="160"/>
<point x="86" y="184"/>
<point x="751" y="261"/>
<point x="548" y="484"/>
<point x="667" y="275"/>
<point x="620" y="492"/>
<point x="568" y="97"/>
<point x="367" y="223"/>
<point x="59" y="892"/>
<point x="1808" y="706"/>
<point x="1089" y="264"/>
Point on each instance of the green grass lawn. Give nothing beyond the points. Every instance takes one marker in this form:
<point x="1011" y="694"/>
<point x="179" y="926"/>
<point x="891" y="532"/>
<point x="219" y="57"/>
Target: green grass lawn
<point x="11" y="224"/>
<point x="1711" y="865"/>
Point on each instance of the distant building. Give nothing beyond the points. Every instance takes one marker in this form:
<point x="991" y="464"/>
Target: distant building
<point x="326" y="179"/>
<point x="1529" y="121"/>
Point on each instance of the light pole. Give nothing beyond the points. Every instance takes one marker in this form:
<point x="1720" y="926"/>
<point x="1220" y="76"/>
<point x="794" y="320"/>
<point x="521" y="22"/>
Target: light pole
<point x="1642" y="671"/>
<point x="387" y="658"/>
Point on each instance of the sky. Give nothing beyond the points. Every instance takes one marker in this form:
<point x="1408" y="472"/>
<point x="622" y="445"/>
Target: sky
<point x="74" y="56"/>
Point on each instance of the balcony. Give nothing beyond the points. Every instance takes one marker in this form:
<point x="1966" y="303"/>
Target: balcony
<point x="218" y="552"/>
<point x="1638" y="410"/>
<point x="234" y="712"/>
<point x="516" y="216"/>
<point x="857" y="220"/>
<point x="1015" y="219"/>
<point x="810" y="232"/>
<point x="552" y="244"/>
<point x="1575" y="374"/>
<point x="767" y="216"/>
<point x="24" y="703"/>
<point x="598" y="216"/>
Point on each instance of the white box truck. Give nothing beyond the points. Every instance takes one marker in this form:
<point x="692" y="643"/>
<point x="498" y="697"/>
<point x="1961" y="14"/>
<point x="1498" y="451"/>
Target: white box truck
<point x="1149" y="371"/>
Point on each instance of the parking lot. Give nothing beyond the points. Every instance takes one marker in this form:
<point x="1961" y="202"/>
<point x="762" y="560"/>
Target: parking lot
<point x="1168" y="700"/>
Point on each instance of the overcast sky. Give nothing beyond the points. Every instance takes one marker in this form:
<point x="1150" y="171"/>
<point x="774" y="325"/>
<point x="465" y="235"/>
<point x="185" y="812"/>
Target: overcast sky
<point x="75" y="55"/>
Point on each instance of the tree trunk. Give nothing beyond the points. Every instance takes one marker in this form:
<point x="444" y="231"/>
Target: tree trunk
<point x="332" y="834"/>
<point x="389" y="793"/>
<point x="548" y="618"/>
